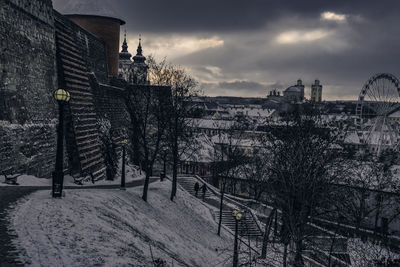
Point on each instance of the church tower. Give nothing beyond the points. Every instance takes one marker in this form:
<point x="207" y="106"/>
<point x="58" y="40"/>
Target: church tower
<point x="301" y="88"/>
<point x="316" y="92"/>
<point x="124" y="61"/>
<point x="138" y="69"/>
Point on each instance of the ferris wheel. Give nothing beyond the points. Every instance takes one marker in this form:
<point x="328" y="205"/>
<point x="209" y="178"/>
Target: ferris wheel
<point x="378" y="113"/>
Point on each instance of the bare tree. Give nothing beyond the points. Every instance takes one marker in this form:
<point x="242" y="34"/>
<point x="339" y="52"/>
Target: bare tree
<point x="362" y="183"/>
<point x="147" y="107"/>
<point x="228" y="157"/>
<point x="178" y="131"/>
<point x="302" y="166"/>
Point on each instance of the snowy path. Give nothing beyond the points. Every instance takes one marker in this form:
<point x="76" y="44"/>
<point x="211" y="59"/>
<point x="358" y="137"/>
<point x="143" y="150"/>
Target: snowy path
<point x="9" y="195"/>
<point x="116" y="228"/>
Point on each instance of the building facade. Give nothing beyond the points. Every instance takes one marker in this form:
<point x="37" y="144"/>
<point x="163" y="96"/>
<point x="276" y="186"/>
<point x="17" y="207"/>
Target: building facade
<point x="295" y="93"/>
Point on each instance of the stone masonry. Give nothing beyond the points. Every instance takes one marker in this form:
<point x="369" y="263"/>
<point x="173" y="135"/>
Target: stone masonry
<point x="27" y="80"/>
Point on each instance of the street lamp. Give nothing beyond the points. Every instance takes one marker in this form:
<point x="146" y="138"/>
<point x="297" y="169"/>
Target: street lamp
<point x="123" y="144"/>
<point x="165" y="149"/>
<point x="62" y="96"/>
<point x="237" y="216"/>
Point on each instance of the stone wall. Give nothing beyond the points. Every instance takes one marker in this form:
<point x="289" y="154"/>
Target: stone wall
<point x="27" y="61"/>
<point x="27" y="80"/>
<point x="28" y="77"/>
<point x="110" y="105"/>
<point x="28" y="148"/>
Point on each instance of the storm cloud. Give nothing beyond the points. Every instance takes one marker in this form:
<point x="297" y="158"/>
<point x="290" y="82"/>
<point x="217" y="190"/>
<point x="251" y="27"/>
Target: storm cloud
<point x="245" y="47"/>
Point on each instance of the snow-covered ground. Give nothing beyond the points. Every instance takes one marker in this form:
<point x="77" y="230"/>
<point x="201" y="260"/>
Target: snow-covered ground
<point x="368" y="253"/>
<point x="117" y="228"/>
<point x="131" y="174"/>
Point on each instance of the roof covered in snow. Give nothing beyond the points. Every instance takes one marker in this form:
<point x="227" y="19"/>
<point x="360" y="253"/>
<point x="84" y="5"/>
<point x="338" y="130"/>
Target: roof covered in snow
<point x="213" y="124"/>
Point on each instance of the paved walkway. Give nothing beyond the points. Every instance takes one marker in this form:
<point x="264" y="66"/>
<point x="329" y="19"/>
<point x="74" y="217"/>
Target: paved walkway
<point x="10" y="194"/>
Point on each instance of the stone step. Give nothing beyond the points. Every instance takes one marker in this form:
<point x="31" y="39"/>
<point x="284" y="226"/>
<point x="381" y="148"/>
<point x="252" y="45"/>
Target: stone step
<point x="72" y="64"/>
<point x="78" y="102"/>
<point x="77" y="82"/>
<point x="84" y="89"/>
<point x="71" y="58"/>
<point x="93" y="136"/>
<point x="74" y="75"/>
<point x="74" y="72"/>
<point x="91" y="162"/>
<point x="67" y="44"/>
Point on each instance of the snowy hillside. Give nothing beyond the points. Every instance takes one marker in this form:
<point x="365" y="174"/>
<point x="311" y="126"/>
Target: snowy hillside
<point x="117" y="228"/>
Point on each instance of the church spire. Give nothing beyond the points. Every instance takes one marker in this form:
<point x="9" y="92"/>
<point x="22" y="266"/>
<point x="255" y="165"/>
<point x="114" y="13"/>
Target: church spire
<point x="139" y="49"/>
<point x="124" y="44"/>
<point x="139" y="58"/>
<point x="124" y="55"/>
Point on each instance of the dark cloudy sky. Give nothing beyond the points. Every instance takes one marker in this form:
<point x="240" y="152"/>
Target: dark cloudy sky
<point x="247" y="47"/>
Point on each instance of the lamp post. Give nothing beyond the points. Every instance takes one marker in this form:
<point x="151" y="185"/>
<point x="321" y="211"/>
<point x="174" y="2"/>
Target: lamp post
<point x="237" y="216"/>
<point x="165" y="149"/>
<point x="62" y="96"/>
<point x="123" y="144"/>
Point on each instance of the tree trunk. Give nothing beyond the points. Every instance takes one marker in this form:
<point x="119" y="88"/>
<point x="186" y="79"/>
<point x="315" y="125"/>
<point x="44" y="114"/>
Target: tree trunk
<point x="266" y="234"/>
<point x="298" y="259"/>
<point x="285" y="255"/>
<point x="377" y="214"/>
<point x="146" y="186"/>
<point x="175" y="159"/>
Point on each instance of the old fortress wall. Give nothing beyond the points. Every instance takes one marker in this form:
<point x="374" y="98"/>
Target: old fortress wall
<point x="40" y="51"/>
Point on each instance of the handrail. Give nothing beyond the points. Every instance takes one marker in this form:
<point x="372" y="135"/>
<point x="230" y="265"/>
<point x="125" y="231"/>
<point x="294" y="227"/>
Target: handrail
<point x="227" y="197"/>
<point x="226" y="228"/>
<point x="213" y="189"/>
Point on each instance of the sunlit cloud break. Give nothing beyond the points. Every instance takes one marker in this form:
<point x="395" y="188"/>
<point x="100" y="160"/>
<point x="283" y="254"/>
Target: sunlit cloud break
<point x="333" y="16"/>
<point x="173" y="46"/>
<point x="293" y="37"/>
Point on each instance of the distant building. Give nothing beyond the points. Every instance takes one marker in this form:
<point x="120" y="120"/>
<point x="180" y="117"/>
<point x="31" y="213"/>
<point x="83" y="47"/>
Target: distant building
<point x="124" y="62"/>
<point x="275" y="96"/>
<point x="316" y="92"/>
<point x="138" y="69"/>
<point x="294" y="93"/>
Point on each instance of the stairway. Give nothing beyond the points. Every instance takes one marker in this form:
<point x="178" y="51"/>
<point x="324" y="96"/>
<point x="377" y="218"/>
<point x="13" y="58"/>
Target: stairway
<point x="84" y="135"/>
<point x="247" y="226"/>
<point x="188" y="184"/>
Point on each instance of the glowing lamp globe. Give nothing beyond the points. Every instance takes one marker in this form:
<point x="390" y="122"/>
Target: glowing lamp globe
<point x="234" y="213"/>
<point x="62" y="95"/>
<point x="238" y="216"/>
<point x="124" y="142"/>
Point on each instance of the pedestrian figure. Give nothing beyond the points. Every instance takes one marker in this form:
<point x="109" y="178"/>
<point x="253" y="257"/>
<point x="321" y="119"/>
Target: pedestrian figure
<point x="204" y="189"/>
<point x="196" y="188"/>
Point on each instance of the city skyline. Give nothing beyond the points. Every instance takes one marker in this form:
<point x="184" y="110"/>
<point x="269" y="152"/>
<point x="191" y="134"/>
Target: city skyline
<point x="240" y="49"/>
